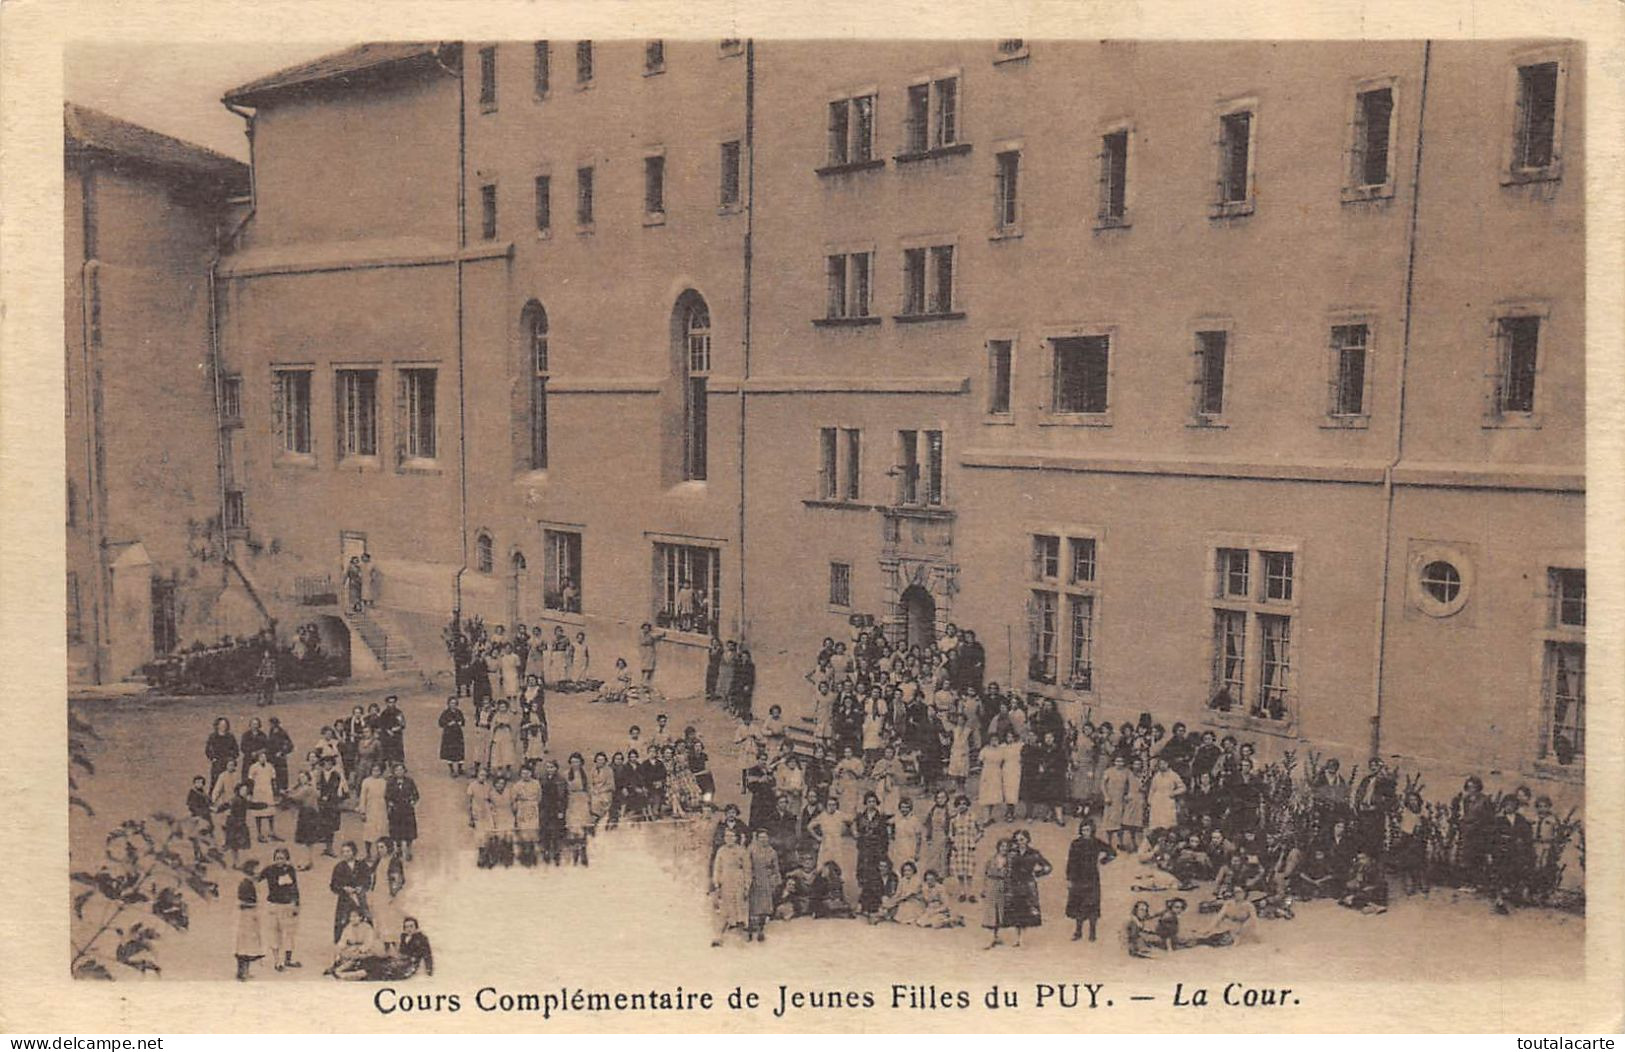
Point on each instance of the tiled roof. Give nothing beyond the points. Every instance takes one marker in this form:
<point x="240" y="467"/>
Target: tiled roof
<point x="91" y="130"/>
<point x="339" y="65"/>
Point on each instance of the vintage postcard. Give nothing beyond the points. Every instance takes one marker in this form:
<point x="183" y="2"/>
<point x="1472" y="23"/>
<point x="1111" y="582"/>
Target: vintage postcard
<point x="646" y="520"/>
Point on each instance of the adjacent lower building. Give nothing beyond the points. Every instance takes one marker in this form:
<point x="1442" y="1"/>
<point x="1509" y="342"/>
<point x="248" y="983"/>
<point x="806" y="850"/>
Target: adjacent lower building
<point x="1241" y="384"/>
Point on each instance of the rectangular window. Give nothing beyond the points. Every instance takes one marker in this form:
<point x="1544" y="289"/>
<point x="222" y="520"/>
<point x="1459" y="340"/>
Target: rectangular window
<point x="852" y="483"/>
<point x="933" y="115"/>
<point x="1373" y="135"/>
<point x="543" y="68"/>
<point x="1275" y="666"/>
<point x="1210" y="354"/>
<point x="236" y="510"/>
<point x="1080" y="623"/>
<point x="583" y="62"/>
<point x="1519" y="342"/>
<point x="828" y="462"/>
<point x="488" y="78"/>
<point x="419" y="388"/>
<point x="688" y="587"/>
<point x="654" y="186"/>
<point x="1083" y="560"/>
<point x="293" y="404"/>
<point x="561" y="570"/>
<point x="1114" y="178"/>
<point x="76" y="622"/>
<point x="1081" y="374"/>
<point x="840" y="584"/>
<point x="1564" y="687"/>
<point x="852" y="130"/>
<point x="488" y="212"/>
<point x="358" y="412"/>
<point x="654" y="56"/>
<point x="1234" y="573"/>
<point x="942" y="284"/>
<point x="544" y="203"/>
<point x="1568" y="591"/>
<point x="914" y="281"/>
<point x="908" y="467"/>
<point x="1349" y="350"/>
<point x="1005" y="188"/>
<point x="999" y="356"/>
<point x="1277" y="576"/>
<point x="1042" y="631"/>
<point x="933" y="467"/>
<point x="231" y="399"/>
<point x="729" y="193"/>
<point x="1535" y="138"/>
<point x="1235" y="158"/>
<point x="847" y="280"/>
<point x="584" y="197"/>
<point x="1230" y="665"/>
<point x="1046" y="557"/>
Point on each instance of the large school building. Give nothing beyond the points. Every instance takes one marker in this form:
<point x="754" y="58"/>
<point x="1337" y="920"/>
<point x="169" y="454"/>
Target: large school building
<point x="1241" y="384"/>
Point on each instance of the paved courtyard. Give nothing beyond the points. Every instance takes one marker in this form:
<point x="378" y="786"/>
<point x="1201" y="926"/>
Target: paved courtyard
<point x="604" y="926"/>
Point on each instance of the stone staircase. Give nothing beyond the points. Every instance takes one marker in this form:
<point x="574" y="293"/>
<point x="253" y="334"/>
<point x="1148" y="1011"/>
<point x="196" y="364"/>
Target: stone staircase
<point x="391" y="649"/>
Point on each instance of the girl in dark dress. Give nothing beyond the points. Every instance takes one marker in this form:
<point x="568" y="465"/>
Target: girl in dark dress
<point x="236" y="829"/>
<point x="401" y="798"/>
<point x="713" y="665"/>
<point x="1021" y="895"/>
<point x="1083" y="863"/>
<point x="873" y="833"/>
<point x="744" y="683"/>
<point x="221" y="748"/>
<point x="451" y="737"/>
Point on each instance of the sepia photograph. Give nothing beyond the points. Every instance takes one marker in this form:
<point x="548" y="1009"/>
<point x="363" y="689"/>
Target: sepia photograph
<point x="879" y="530"/>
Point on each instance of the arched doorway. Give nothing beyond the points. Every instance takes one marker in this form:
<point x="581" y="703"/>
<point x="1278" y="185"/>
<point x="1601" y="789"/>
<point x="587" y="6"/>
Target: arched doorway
<point x="919" y="617"/>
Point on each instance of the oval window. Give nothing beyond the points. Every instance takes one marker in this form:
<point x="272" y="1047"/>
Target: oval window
<point x="1442" y="581"/>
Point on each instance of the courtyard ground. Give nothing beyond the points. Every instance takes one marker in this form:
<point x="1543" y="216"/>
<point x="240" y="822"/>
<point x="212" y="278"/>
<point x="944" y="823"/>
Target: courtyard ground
<point x="617" y="923"/>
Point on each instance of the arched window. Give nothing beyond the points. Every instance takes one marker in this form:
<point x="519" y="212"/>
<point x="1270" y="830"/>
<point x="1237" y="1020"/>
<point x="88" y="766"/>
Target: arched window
<point x="695" y="333"/>
<point x="533" y="324"/>
<point x="483" y="559"/>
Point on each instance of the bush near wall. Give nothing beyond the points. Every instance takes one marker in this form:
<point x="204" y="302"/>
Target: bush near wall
<point x="233" y="667"/>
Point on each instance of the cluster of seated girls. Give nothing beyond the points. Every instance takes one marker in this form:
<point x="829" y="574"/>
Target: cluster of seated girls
<point x="533" y="812"/>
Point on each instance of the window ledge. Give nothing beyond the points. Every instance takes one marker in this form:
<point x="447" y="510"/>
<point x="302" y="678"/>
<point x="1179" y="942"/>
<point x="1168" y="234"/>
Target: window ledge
<point x="1231" y="209"/>
<point x="1060" y="691"/>
<point x="1005" y="59"/>
<point x="1077" y="420"/>
<point x="1574" y="772"/>
<point x="419" y="466"/>
<point x="584" y="230"/>
<point x="677" y="637"/>
<point x="545" y="234"/>
<point x="564" y="617"/>
<point x="1357" y="422"/>
<point x="1287" y="728"/>
<point x="1207" y="424"/>
<point x="910" y="319"/>
<point x="1519" y="176"/>
<point x="584" y="85"/>
<point x="918" y="511"/>
<point x="488" y="107"/>
<point x="851" y="166"/>
<point x="730" y="210"/>
<point x="295" y="460"/>
<point x="1012" y="233"/>
<point x="999" y="420"/>
<point x="654" y="219"/>
<point x="654" y="72"/>
<point x="847" y="323"/>
<point x="1513" y="421"/>
<point x="541" y="96"/>
<point x="958" y="149"/>
<point x="1104" y="223"/>
<point x="360" y="462"/>
<point x="836" y="504"/>
<point x="1357" y="194"/>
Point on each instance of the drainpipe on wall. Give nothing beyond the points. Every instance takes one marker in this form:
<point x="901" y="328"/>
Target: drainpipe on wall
<point x="1381" y="641"/>
<point x="750" y="216"/>
<point x="217" y="368"/>
<point x="462" y="395"/>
